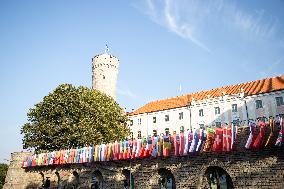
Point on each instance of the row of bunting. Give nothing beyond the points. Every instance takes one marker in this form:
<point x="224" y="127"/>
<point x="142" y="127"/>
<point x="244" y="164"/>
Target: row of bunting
<point x="183" y="144"/>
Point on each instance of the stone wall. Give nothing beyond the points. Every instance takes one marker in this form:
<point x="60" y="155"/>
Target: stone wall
<point x="247" y="169"/>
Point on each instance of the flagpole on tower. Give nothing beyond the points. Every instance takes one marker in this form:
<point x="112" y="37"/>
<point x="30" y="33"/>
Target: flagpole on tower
<point x="106" y="49"/>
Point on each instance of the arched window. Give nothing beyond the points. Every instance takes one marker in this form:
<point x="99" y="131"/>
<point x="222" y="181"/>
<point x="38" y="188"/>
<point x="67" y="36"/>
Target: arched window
<point x="97" y="180"/>
<point x="166" y="179"/>
<point x="128" y="181"/>
<point x="218" y="178"/>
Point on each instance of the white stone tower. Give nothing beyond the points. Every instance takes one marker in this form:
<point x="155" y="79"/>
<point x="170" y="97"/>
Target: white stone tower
<point x="105" y="71"/>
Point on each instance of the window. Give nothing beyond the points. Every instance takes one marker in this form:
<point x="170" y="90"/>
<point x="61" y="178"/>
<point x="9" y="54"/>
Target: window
<point x="181" y="115"/>
<point x="201" y="126"/>
<point x="181" y="128"/>
<point x="139" y="134"/>
<point x="234" y="108"/>
<point x="167" y="118"/>
<point x="217" y="110"/>
<point x="131" y="122"/>
<point x="218" y="124"/>
<point x="104" y="77"/>
<point x="258" y="104"/>
<point x="139" y="121"/>
<point x="279" y="101"/>
<point x="201" y="113"/>
<point x="236" y="122"/>
<point x="154" y="119"/>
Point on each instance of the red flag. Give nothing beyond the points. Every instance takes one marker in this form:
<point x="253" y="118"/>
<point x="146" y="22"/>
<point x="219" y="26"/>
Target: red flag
<point x="181" y="145"/>
<point x="218" y="143"/>
<point x="259" y="140"/>
<point x="227" y="139"/>
<point x="272" y="128"/>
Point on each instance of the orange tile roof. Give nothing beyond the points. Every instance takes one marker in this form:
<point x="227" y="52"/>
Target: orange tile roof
<point x="250" y="88"/>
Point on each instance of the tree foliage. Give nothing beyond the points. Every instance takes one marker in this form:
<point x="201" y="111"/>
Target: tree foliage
<point x="3" y="172"/>
<point x="71" y="117"/>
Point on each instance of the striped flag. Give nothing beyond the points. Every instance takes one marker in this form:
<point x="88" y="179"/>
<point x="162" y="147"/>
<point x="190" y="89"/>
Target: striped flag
<point x="234" y="135"/>
<point x="252" y="135"/>
<point x="194" y="141"/>
<point x="272" y="129"/>
<point x="281" y="132"/>
<point x="202" y="139"/>
<point x="260" y="137"/>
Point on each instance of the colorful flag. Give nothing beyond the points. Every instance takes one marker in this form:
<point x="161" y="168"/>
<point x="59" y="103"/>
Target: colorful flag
<point x="155" y="147"/>
<point x="181" y="144"/>
<point x="272" y="129"/>
<point x="185" y="150"/>
<point x="166" y="146"/>
<point x="134" y="143"/>
<point x="218" y="142"/>
<point x="194" y="142"/>
<point x="227" y="139"/>
<point x="234" y="135"/>
<point x="252" y="135"/>
<point x="160" y="146"/>
<point x="138" y="148"/>
<point x="201" y="141"/>
<point x="210" y="137"/>
<point x="281" y="132"/>
<point x="258" y="143"/>
<point x="176" y="144"/>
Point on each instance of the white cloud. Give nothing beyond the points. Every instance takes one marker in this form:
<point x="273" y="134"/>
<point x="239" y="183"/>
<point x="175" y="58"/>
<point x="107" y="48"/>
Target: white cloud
<point x="257" y="24"/>
<point x="191" y="19"/>
<point x="127" y="92"/>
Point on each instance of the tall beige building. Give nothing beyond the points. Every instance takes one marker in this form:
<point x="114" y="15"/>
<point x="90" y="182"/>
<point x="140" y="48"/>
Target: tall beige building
<point x="105" y="71"/>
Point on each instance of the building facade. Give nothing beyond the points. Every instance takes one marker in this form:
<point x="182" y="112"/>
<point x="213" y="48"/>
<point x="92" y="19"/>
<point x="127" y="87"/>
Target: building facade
<point x="235" y="104"/>
<point x="105" y="71"/>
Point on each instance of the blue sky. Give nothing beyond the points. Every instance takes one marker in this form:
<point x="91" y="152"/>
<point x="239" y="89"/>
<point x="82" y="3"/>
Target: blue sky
<point x="162" y="45"/>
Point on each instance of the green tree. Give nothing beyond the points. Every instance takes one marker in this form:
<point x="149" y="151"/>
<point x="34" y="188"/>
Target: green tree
<point x="71" y="117"/>
<point x="3" y="172"/>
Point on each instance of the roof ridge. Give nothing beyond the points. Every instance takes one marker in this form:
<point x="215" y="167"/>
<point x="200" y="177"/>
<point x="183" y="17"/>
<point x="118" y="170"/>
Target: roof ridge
<point x="185" y="99"/>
